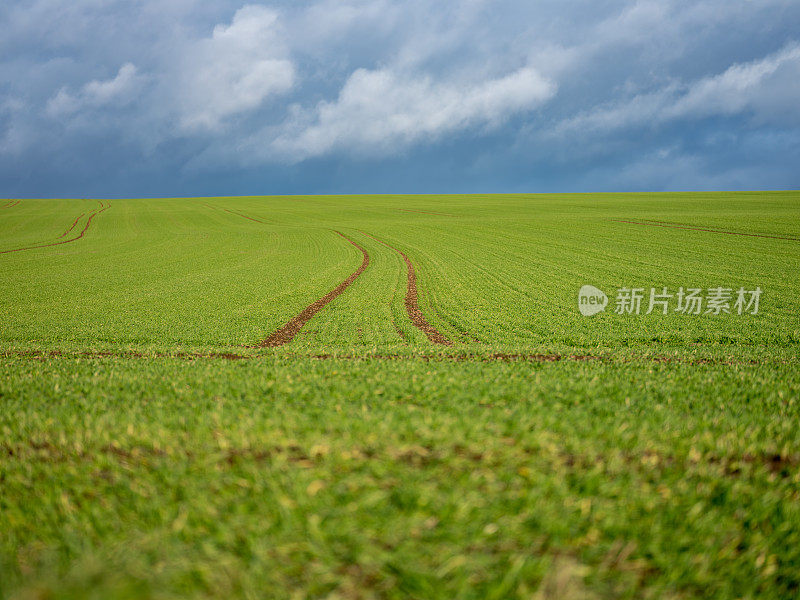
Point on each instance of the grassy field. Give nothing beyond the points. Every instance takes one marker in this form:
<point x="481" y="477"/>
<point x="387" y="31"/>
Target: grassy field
<point x="241" y="397"/>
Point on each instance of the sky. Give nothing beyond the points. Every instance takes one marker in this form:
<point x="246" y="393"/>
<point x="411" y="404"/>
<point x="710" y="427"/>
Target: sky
<point x="134" y="98"/>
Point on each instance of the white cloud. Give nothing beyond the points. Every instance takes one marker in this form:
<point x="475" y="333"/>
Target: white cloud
<point x="382" y="111"/>
<point x="103" y="92"/>
<point x="116" y="91"/>
<point x="235" y="70"/>
<point x="763" y="86"/>
<point x="768" y="89"/>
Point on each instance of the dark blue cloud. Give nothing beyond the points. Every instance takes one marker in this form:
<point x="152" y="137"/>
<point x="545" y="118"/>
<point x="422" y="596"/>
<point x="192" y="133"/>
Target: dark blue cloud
<point x="185" y="97"/>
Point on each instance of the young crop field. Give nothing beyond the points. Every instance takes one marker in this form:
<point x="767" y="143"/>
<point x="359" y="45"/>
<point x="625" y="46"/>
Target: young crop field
<point x="399" y="397"/>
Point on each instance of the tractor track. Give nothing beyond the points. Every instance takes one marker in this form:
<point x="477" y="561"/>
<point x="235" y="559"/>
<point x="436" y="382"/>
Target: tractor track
<point x="286" y="334"/>
<point x="412" y="301"/>
<point x="238" y="214"/>
<point x="71" y="227"/>
<point x="103" y="207"/>
<point x="244" y="216"/>
<point x="676" y="226"/>
<point x="11" y="204"/>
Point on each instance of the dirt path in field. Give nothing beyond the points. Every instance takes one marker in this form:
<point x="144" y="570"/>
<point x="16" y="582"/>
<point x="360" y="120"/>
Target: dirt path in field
<point x="286" y="334"/>
<point x="103" y="207"/>
<point x="652" y="223"/>
<point x="412" y="304"/>
<point x="11" y="204"/>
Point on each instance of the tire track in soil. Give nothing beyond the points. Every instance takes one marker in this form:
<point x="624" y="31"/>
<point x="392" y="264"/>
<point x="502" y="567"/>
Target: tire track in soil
<point x="286" y="334"/>
<point x="233" y="212"/>
<point x="412" y="301"/>
<point x="103" y="207"/>
<point x="664" y="224"/>
<point x="718" y="230"/>
<point x="11" y="204"/>
<point x="71" y="227"/>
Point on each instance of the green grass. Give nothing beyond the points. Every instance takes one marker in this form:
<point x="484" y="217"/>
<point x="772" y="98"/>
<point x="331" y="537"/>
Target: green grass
<point x="666" y="465"/>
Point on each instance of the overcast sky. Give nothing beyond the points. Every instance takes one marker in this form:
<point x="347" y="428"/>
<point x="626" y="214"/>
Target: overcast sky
<point x="199" y="97"/>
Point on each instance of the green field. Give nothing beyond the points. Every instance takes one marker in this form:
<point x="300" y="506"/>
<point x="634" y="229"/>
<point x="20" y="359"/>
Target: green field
<point x="155" y="442"/>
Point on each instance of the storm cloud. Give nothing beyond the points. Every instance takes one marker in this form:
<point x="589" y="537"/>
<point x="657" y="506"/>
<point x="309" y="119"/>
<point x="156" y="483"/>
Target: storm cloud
<point x="183" y="97"/>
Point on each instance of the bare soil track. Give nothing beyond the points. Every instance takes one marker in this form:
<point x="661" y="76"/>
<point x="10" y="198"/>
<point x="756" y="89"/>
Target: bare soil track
<point x="71" y="227"/>
<point x="412" y="304"/>
<point x="244" y="216"/>
<point x="103" y="207"/>
<point x="237" y="213"/>
<point x="677" y="226"/>
<point x="11" y="204"/>
<point x="286" y="334"/>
